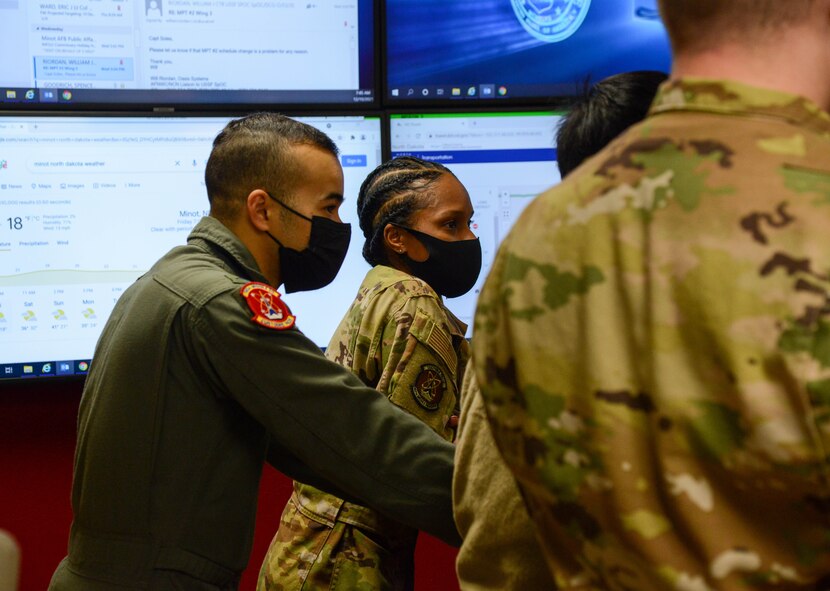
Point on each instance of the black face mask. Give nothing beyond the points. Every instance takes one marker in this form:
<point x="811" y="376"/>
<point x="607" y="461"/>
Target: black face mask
<point x="317" y="265"/>
<point x="452" y="267"/>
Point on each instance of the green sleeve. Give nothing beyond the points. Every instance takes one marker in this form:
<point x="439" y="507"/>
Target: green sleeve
<point x="336" y="427"/>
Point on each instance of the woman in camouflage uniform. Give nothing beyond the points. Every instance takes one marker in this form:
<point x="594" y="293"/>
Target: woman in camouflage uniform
<point x="399" y="338"/>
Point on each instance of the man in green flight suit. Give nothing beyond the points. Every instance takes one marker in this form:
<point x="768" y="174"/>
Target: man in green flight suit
<point x="201" y="374"/>
<point x="653" y="341"/>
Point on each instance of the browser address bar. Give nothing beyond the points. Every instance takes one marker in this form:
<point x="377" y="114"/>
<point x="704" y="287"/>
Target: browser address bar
<point x="182" y="163"/>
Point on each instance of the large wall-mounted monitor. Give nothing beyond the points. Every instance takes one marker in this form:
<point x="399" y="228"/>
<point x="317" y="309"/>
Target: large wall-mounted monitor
<point x="503" y="159"/>
<point x="89" y="203"/>
<point x="516" y="50"/>
<point x="186" y="53"/>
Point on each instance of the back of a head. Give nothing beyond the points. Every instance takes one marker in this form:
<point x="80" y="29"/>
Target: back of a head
<point x="695" y="25"/>
<point x="254" y="152"/>
<point x="391" y="194"/>
<point x="602" y="113"/>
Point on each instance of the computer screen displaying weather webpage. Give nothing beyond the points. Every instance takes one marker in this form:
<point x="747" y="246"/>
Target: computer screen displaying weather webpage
<point x="503" y="159"/>
<point x="498" y="50"/>
<point x="90" y="203"/>
<point x="160" y="52"/>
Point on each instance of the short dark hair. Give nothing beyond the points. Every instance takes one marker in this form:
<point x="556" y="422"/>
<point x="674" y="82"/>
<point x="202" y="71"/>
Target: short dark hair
<point x="603" y="112"/>
<point x="254" y="152"/>
<point x="390" y="195"/>
<point x="697" y="24"/>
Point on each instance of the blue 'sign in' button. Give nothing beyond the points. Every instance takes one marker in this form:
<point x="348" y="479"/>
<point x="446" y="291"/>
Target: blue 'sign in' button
<point x="353" y="161"/>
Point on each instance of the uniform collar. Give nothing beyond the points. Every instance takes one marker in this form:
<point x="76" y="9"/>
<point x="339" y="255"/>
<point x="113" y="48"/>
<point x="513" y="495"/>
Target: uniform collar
<point x="382" y="276"/>
<point x="214" y="232"/>
<point x="734" y="98"/>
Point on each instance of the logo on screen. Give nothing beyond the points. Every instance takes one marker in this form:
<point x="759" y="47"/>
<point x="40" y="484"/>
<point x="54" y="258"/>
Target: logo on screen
<point x="551" y="21"/>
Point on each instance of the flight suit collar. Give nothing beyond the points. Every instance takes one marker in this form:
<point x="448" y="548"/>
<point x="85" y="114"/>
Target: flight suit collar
<point x="734" y="98"/>
<point x="214" y="232"/>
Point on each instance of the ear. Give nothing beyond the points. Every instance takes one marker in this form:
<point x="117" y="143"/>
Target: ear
<point x="393" y="239"/>
<point x="256" y="206"/>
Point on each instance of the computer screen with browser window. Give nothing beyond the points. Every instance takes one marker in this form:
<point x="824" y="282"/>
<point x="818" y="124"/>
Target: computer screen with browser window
<point x="90" y="203"/>
<point x="186" y="53"/>
<point x="504" y="159"/>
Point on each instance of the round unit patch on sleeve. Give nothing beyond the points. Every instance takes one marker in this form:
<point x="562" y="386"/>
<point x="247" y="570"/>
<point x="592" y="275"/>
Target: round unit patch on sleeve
<point x="429" y="386"/>
<point x="267" y="305"/>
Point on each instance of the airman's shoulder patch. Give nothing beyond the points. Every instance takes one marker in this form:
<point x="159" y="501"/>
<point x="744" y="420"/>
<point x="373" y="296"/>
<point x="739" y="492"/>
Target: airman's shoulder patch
<point x="429" y="386"/>
<point x="267" y="305"/>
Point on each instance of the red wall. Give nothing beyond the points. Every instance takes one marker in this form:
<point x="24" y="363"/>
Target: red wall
<point x="37" y="440"/>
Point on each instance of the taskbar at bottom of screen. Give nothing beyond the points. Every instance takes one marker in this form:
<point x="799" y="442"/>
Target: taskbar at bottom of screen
<point x="44" y="369"/>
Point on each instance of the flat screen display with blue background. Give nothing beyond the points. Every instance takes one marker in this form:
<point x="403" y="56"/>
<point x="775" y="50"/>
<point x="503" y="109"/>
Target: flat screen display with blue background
<point x="517" y="49"/>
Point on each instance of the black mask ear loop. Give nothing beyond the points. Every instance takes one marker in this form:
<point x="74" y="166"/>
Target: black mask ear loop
<point x="295" y="212"/>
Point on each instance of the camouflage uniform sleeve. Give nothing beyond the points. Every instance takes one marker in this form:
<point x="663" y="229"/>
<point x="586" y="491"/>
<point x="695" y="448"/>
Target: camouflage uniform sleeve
<point x="420" y="364"/>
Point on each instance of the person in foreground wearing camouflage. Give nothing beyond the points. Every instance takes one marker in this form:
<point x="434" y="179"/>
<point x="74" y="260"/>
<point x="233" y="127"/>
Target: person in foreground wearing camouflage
<point x="653" y="341"/>
<point x="500" y="550"/>
<point x="399" y="338"/>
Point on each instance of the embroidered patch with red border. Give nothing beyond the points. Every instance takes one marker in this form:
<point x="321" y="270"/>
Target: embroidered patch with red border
<point x="267" y="305"/>
<point x="429" y="386"/>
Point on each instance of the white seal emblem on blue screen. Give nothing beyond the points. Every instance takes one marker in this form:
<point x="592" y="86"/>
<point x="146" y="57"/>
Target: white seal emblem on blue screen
<point x="551" y="21"/>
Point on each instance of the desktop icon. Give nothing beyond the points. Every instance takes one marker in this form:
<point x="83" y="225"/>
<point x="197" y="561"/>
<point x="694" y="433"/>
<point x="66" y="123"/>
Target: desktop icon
<point x="502" y="91"/>
<point x="48" y="95"/>
<point x="83" y="366"/>
<point x="8" y="370"/>
<point x="11" y="94"/>
<point x="28" y="369"/>
<point x="46" y="368"/>
<point x="64" y="368"/>
<point x="66" y="95"/>
<point x="456" y="91"/>
<point x="440" y="92"/>
<point x="30" y="95"/>
<point x="487" y="90"/>
<point x="471" y="91"/>
<point x="425" y="91"/>
<point x="396" y="92"/>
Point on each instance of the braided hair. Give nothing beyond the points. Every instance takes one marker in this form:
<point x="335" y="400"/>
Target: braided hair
<point x="390" y="195"/>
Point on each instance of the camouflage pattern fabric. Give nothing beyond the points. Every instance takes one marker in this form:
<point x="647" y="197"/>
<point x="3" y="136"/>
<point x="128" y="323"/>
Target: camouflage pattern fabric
<point x="499" y="549"/>
<point x="653" y="347"/>
<point x="399" y="338"/>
